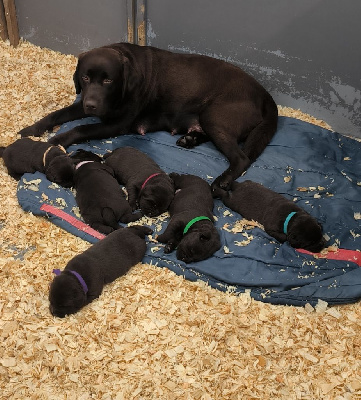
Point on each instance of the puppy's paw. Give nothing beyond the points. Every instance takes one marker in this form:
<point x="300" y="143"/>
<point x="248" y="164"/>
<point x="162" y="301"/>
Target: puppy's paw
<point x="57" y="139"/>
<point x="168" y="248"/>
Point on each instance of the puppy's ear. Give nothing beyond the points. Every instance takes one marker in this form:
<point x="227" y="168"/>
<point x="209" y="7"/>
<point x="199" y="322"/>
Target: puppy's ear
<point x="76" y="77"/>
<point x="205" y="236"/>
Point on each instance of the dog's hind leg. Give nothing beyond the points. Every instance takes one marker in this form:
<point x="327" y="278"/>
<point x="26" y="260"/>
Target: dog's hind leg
<point x="70" y="113"/>
<point x="109" y="219"/>
<point x="261" y="135"/>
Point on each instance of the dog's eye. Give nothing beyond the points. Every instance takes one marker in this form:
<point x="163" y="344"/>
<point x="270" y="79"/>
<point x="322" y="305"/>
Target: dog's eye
<point x="85" y="78"/>
<point x="107" y="81"/>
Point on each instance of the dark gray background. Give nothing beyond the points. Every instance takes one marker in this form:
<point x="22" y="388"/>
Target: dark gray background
<point x="306" y="53"/>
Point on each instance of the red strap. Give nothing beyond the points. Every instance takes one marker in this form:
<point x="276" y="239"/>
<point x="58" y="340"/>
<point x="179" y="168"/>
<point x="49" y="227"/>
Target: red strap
<point x="149" y="177"/>
<point x="340" y="254"/>
<point x="80" y="225"/>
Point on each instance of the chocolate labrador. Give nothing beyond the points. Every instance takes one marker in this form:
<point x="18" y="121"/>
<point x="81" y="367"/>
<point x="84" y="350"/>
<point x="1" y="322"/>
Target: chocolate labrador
<point x="27" y="155"/>
<point x="141" y="89"/>
<point x="101" y="201"/>
<point x="281" y="218"/>
<point x="147" y="184"/>
<point x="191" y="229"/>
<point x="85" y="275"/>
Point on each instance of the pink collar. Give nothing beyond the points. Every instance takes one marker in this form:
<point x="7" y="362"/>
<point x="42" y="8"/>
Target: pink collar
<point x="149" y="178"/>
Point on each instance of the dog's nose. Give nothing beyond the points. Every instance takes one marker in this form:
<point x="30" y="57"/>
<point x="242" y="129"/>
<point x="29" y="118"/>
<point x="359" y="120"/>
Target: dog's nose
<point x="90" y="106"/>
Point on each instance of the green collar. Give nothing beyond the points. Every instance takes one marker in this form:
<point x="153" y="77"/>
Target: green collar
<point x="192" y="221"/>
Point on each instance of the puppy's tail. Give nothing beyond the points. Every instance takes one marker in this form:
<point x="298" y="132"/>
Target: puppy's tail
<point x="2" y="151"/>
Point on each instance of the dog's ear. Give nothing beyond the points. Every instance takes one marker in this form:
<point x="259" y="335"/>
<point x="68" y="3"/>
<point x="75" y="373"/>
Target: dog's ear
<point x="131" y="77"/>
<point x="76" y="77"/>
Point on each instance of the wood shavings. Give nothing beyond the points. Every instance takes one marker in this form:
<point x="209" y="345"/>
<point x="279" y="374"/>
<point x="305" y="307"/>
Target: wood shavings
<point x="287" y="179"/>
<point x="151" y="334"/>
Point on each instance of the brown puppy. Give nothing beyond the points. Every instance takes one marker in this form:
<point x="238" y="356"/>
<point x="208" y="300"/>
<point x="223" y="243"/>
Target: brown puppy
<point x="101" y="201"/>
<point x="146" y="183"/>
<point x="85" y="275"/>
<point x="280" y="217"/>
<point x="139" y="88"/>
<point x="191" y="228"/>
<point x="26" y="155"/>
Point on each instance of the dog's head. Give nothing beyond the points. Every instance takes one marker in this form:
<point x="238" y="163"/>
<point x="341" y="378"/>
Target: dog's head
<point x="199" y="244"/>
<point x="104" y="76"/>
<point x="84" y="155"/>
<point x="61" y="170"/>
<point x="156" y="196"/>
<point x="306" y="233"/>
<point x="66" y="295"/>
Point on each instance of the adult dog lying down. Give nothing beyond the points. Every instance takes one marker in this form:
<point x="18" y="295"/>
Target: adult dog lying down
<point x="142" y="89"/>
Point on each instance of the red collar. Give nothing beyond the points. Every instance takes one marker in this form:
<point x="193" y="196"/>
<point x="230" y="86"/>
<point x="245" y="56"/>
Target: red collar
<point x="149" y="178"/>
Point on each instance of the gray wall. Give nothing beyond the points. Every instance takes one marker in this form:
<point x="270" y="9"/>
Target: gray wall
<point x="72" y="26"/>
<point x="306" y="53"/>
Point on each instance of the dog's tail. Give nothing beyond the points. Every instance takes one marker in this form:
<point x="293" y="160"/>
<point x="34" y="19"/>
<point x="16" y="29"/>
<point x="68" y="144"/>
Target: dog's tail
<point x="2" y="150"/>
<point x="262" y="134"/>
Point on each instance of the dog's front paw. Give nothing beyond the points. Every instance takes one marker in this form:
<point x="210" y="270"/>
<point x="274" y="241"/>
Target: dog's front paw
<point x="186" y="141"/>
<point x="223" y="182"/>
<point x="32" y="130"/>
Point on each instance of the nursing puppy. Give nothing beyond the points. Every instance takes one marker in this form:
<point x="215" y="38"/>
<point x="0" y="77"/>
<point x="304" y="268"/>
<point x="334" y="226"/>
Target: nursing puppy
<point x="101" y="201"/>
<point x="26" y="155"/>
<point x="191" y="228"/>
<point x="84" y="276"/>
<point x="280" y="217"/>
<point x="146" y="183"/>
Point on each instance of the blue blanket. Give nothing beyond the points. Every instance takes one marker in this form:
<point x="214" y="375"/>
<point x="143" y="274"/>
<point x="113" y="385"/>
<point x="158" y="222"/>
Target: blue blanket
<point x="316" y="168"/>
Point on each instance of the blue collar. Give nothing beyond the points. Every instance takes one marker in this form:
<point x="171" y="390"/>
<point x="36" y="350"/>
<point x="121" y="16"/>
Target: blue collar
<point x="287" y="220"/>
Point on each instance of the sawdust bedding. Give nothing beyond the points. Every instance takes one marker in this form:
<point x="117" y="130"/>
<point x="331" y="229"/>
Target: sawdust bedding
<point x="151" y="334"/>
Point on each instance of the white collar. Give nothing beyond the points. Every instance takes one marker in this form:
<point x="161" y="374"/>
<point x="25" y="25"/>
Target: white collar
<point x="82" y="163"/>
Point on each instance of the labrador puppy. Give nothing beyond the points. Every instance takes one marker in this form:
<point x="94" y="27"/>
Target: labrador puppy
<point x="147" y="184"/>
<point x="141" y="89"/>
<point x="84" y="276"/>
<point x="27" y="155"/>
<point x="191" y="229"/>
<point x="281" y="218"/>
<point x="101" y="201"/>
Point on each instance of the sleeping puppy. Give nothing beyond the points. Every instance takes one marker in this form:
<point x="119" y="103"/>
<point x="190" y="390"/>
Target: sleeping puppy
<point x="146" y="183"/>
<point x="26" y="155"/>
<point x="84" y="276"/>
<point x="280" y="217"/>
<point x="191" y="228"/>
<point x="101" y="201"/>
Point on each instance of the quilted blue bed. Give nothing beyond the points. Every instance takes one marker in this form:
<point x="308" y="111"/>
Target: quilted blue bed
<point x="318" y="169"/>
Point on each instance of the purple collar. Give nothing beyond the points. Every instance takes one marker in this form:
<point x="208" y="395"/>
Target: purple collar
<point x="78" y="276"/>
